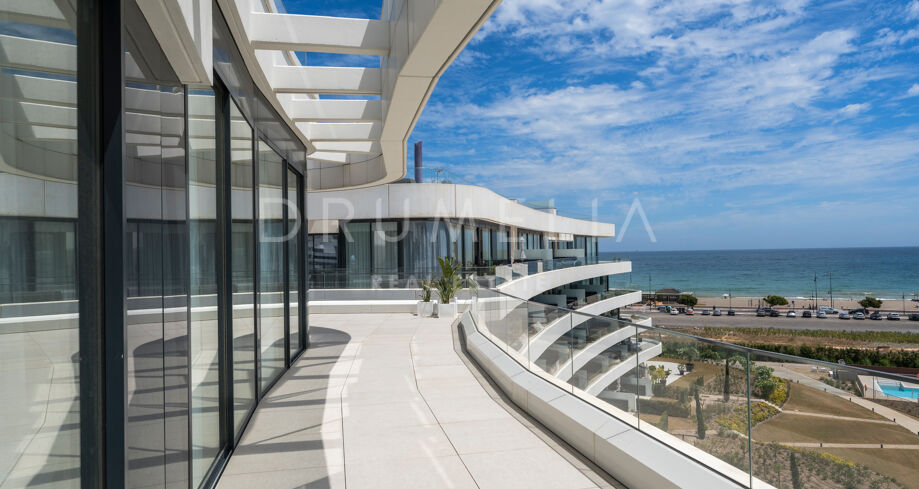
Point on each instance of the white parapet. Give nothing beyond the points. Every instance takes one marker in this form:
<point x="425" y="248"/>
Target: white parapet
<point x="533" y="285"/>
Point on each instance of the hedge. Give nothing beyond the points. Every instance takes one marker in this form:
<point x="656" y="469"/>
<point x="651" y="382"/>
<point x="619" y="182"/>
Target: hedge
<point x="661" y="406"/>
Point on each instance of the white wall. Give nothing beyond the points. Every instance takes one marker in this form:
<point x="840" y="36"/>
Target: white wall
<point x="432" y="200"/>
<point x="532" y="285"/>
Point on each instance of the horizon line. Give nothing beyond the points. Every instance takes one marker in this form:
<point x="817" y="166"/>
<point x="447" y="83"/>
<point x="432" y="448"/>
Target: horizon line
<point x="759" y="249"/>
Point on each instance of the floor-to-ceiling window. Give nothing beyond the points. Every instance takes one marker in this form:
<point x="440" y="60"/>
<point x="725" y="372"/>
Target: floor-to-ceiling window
<point x="203" y="243"/>
<point x="385" y="247"/>
<point x="294" y="235"/>
<point x="242" y="239"/>
<point x="357" y="247"/>
<point x="152" y="318"/>
<point x="468" y="246"/>
<point x="271" y="272"/>
<point x="155" y="268"/>
<point x="39" y="407"/>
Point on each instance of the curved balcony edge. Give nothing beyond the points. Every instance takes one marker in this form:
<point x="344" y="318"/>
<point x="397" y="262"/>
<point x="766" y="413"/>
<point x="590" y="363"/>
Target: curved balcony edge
<point x="545" y="338"/>
<point x="609" y="439"/>
<point x="530" y="286"/>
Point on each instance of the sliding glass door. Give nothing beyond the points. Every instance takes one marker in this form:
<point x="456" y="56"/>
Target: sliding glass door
<point x="294" y="250"/>
<point x="271" y="206"/>
<point x="203" y="243"/>
<point x="242" y="239"/>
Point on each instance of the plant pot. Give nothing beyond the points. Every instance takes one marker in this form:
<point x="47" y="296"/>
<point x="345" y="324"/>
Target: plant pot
<point x="446" y="310"/>
<point x="425" y="309"/>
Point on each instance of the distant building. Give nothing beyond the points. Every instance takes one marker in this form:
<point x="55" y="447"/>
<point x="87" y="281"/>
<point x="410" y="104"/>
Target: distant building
<point x="664" y="295"/>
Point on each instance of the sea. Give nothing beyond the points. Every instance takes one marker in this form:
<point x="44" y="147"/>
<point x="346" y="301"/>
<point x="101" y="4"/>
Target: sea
<point x="887" y="273"/>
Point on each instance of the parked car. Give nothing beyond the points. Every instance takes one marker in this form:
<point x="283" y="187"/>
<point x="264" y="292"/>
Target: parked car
<point x="661" y="308"/>
<point x="892" y="316"/>
<point x="863" y="310"/>
<point x="844" y="315"/>
<point x="876" y="315"/>
<point x="760" y="313"/>
<point x="690" y="311"/>
<point x="674" y="312"/>
<point x="807" y="314"/>
<point x="821" y="315"/>
<point x="731" y="312"/>
<point x="706" y="312"/>
<point x="716" y="312"/>
<point x="828" y="310"/>
<point x="774" y="314"/>
<point x="790" y="314"/>
<point x="768" y="310"/>
<point x="859" y="315"/>
<point x="913" y="317"/>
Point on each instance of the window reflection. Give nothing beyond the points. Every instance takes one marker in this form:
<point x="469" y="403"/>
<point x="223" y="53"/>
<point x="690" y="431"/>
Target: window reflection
<point x="242" y="195"/>
<point x="271" y="263"/>
<point x="202" y="233"/>
<point x="39" y="407"/>
<point x="156" y="244"/>
<point x="293" y="260"/>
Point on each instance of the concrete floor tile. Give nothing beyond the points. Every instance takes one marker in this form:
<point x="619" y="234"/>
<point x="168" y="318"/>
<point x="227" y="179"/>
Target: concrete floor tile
<point x="455" y="409"/>
<point x="532" y="468"/>
<point x="443" y="372"/>
<point x="364" y="406"/>
<point x="441" y="473"/>
<point x="371" y="442"/>
<point x="501" y="435"/>
<point x="319" y="478"/>
<point x="316" y="451"/>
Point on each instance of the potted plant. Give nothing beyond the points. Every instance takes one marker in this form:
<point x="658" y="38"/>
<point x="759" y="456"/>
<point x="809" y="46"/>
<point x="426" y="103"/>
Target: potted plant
<point x="425" y="306"/>
<point x="449" y="283"/>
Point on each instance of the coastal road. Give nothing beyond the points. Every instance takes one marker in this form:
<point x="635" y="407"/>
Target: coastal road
<point x="831" y="323"/>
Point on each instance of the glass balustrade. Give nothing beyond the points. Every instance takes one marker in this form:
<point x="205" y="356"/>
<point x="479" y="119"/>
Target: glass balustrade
<point x="399" y="278"/>
<point x="752" y="416"/>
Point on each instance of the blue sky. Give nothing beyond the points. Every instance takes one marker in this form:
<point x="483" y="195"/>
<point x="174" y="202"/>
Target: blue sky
<point x="736" y="124"/>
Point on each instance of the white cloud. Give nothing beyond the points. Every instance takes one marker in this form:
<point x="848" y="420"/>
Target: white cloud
<point x="912" y="11"/>
<point x="854" y="109"/>
<point x="687" y="98"/>
<point x="913" y="90"/>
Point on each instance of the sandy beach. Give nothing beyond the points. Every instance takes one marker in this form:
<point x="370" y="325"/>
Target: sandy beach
<point x="804" y="303"/>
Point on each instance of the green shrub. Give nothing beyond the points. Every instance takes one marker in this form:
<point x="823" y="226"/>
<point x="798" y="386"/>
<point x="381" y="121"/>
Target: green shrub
<point x="661" y="406"/>
<point x="664" y="422"/>
<point x="775" y="300"/>
<point x="737" y="420"/>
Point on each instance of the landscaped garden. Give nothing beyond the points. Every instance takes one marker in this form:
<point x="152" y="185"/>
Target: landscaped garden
<point x="707" y="407"/>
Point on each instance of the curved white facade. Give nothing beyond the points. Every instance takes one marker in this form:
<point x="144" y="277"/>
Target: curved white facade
<point x="532" y="285"/>
<point x="434" y="200"/>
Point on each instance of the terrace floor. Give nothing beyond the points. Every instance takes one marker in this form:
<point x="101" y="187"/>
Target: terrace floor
<point x="384" y="401"/>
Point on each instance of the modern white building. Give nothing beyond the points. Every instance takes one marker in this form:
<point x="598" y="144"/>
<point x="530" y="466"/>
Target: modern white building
<point x="210" y="260"/>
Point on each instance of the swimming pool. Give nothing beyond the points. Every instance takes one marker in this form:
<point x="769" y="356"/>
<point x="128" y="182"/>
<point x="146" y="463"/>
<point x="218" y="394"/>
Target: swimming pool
<point x="899" y="390"/>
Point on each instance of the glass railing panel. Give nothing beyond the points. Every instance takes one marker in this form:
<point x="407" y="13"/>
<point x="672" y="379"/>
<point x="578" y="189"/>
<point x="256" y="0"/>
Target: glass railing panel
<point x="787" y="421"/>
<point x="542" y="327"/>
<point x="557" y="353"/>
<point x="610" y="374"/>
<point x="517" y="321"/>
<point x="830" y="425"/>
<point x="696" y="391"/>
<point x="489" y="311"/>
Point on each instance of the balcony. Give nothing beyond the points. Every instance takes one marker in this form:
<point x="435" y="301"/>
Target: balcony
<point x="658" y="408"/>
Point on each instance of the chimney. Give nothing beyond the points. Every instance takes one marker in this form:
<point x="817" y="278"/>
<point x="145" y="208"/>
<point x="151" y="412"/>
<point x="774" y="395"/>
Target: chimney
<point x="418" y="172"/>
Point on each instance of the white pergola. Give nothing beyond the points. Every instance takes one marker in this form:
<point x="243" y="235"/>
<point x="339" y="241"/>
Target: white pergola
<point x="361" y="141"/>
<point x="350" y="142"/>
